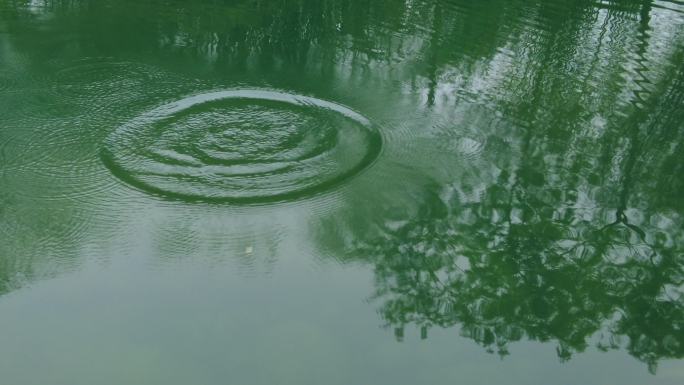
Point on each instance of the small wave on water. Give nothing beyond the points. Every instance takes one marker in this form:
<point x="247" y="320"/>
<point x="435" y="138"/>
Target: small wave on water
<point x="242" y="145"/>
<point x="100" y="77"/>
<point x="6" y="81"/>
<point x="94" y="85"/>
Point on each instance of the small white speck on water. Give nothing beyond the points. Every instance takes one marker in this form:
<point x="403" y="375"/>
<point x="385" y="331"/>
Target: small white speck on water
<point x="249" y="250"/>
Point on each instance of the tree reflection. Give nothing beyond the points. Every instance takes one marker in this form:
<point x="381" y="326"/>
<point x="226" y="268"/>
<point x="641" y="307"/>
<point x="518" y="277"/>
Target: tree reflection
<point x="566" y="243"/>
<point x="504" y="269"/>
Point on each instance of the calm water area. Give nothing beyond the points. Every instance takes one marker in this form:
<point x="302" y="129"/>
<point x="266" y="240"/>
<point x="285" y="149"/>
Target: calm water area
<point x="341" y="192"/>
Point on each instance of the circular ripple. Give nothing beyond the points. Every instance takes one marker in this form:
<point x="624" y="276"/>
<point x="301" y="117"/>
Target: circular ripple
<point x="242" y="145"/>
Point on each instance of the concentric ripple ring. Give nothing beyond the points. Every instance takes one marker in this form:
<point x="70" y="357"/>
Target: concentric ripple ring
<point x="242" y="145"/>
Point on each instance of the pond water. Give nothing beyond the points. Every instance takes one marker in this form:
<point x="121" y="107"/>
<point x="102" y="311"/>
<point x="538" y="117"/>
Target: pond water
<point x="341" y="192"/>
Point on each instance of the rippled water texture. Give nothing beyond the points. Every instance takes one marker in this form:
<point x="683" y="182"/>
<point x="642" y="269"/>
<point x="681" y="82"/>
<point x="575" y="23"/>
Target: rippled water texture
<point x="341" y="192"/>
<point x="242" y="145"/>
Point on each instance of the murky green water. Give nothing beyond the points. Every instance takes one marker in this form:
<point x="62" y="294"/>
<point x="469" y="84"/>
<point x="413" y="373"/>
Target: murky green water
<point x="341" y="192"/>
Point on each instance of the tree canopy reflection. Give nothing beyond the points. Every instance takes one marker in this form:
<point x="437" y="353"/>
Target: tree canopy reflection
<point x="577" y="244"/>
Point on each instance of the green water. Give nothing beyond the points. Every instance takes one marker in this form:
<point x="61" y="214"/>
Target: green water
<point x="341" y="192"/>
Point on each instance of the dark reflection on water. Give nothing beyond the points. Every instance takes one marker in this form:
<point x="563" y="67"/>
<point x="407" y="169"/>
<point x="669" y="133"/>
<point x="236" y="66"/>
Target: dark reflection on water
<point x="569" y="226"/>
<point x="529" y="260"/>
<point x="529" y="186"/>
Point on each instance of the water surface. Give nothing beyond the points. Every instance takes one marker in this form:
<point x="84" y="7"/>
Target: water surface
<point x="341" y="192"/>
